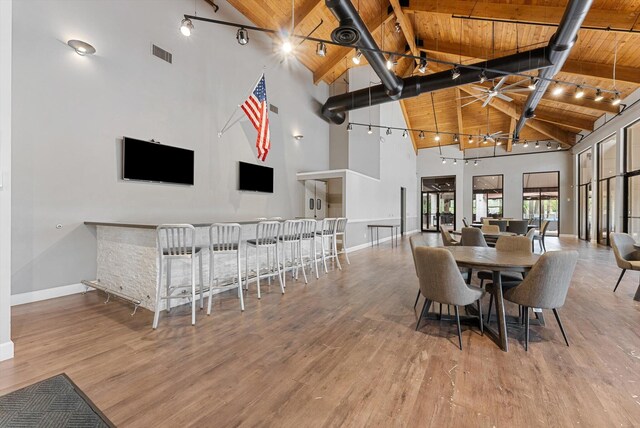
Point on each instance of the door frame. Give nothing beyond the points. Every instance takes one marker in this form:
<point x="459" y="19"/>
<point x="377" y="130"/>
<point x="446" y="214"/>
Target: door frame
<point x="455" y="199"/>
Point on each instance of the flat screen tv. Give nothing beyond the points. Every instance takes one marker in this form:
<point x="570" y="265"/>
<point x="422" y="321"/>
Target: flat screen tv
<point x="145" y="161"/>
<point x="255" y="178"/>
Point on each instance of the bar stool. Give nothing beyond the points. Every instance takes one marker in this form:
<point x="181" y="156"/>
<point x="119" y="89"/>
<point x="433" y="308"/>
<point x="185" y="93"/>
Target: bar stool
<point x="292" y="237"/>
<point x="267" y="234"/>
<point x="341" y="233"/>
<point x="224" y="238"/>
<point x="328" y="233"/>
<point x="177" y="242"/>
<point x="308" y="234"/>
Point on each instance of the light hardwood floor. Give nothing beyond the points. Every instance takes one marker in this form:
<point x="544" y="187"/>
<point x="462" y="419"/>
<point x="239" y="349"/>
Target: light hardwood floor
<point x="342" y="351"/>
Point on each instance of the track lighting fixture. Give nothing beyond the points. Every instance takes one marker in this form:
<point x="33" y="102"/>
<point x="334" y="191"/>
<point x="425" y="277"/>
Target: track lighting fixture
<point x="455" y="73"/>
<point x="422" y="135"/>
<point x="616" y="99"/>
<point x="548" y="145"/>
<point x="369" y="130"/>
<point x="349" y="127"/>
<point x="357" y="56"/>
<point x="483" y="77"/>
<point x="444" y="161"/>
<point x="186" y="27"/>
<point x="388" y="131"/>
<point x="557" y="90"/>
<point x="537" y="145"/>
<point x="599" y="97"/>
<point x="475" y="162"/>
<point x="391" y="62"/>
<point x="498" y="142"/>
<point x="455" y="138"/>
<point x="404" y="134"/>
<point x="484" y="140"/>
<point x="242" y="36"/>
<point x="470" y="139"/>
<point x="455" y="161"/>
<point x="466" y="162"/>
<point x="532" y="83"/>
<point x="397" y="27"/>
<point x="579" y="92"/>
<point x="525" y="144"/>
<point x="422" y="68"/>
<point x="437" y="137"/>
<point x="559" y="147"/>
<point x="321" y="49"/>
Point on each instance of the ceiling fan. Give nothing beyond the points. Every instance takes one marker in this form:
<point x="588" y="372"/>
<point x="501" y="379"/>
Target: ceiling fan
<point x="498" y="91"/>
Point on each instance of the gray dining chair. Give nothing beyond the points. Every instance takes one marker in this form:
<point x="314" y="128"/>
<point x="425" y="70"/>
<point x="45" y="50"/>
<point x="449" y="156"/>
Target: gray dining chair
<point x="539" y="236"/>
<point x="519" y="227"/>
<point x="441" y="282"/>
<point x="464" y="221"/>
<point x="511" y="244"/>
<point x="545" y="287"/>
<point x="472" y="237"/>
<point x="416" y="241"/>
<point x="447" y="240"/>
<point x="502" y="224"/>
<point x="627" y="257"/>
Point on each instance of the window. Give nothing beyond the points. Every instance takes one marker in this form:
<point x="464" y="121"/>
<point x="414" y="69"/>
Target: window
<point x="632" y="181"/>
<point x="585" y="176"/>
<point x="540" y="199"/>
<point x="606" y="189"/>
<point x="487" y="197"/>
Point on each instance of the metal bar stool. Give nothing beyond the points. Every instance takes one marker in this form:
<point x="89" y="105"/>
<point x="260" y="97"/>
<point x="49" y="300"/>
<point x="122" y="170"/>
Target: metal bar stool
<point x="177" y="242"/>
<point x="308" y="234"/>
<point x="328" y="233"/>
<point x="341" y="233"/>
<point x="224" y="238"/>
<point x="292" y="237"/>
<point x="267" y="234"/>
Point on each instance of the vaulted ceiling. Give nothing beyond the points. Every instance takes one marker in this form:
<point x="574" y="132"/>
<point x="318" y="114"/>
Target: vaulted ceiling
<point x="468" y="31"/>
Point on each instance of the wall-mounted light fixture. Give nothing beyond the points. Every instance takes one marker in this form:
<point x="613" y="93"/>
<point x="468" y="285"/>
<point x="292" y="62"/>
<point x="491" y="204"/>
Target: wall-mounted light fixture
<point x="298" y="137"/>
<point x="82" y="48"/>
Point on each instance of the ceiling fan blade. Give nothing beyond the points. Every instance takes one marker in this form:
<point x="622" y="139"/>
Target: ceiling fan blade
<point x="471" y="102"/>
<point x="479" y="88"/>
<point x="495" y="134"/>
<point x="501" y="82"/>
<point x="504" y="97"/>
<point x="488" y="100"/>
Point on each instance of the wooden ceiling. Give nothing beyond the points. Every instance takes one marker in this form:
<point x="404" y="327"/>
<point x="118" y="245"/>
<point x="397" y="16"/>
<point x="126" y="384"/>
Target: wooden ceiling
<point x="445" y="36"/>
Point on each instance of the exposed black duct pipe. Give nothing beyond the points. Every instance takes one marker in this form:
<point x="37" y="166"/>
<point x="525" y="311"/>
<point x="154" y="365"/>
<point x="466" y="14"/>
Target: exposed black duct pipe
<point x="335" y="107"/>
<point x="352" y="31"/>
<point x="559" y="48"/>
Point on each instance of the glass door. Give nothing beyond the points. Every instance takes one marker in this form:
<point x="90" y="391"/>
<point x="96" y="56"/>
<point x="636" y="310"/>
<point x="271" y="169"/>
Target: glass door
<point x="430" y="212"/>
<point x="632" y="181"/>
<point x="633" y="206"/>
<point x="446" y="209"/>
<point x="606" y="189"/>
<point x="438" y="203"/>
<point x="540" y="199"/>
<point x="585" y="211"/>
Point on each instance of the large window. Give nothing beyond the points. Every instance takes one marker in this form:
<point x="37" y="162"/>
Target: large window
<point x="632" y="180"/>
<point x="540" y="199"/>
<point x="606" y="189"/>
<point x="585" y="176"/>
<point x="487" y="197"/>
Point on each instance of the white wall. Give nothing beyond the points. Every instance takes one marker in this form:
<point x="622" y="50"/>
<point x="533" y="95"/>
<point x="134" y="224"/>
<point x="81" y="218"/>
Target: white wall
<point x="70" y="111"/>
<point x="512" y="167"/>
<point x="6" y="345"/>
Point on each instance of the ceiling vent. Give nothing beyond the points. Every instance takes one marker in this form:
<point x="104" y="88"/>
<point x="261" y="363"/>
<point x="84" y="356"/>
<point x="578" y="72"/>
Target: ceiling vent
<point x="162" y="54"/>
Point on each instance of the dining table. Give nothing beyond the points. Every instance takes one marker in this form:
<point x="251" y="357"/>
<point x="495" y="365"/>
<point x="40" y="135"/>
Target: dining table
<point x="490" y="259"/>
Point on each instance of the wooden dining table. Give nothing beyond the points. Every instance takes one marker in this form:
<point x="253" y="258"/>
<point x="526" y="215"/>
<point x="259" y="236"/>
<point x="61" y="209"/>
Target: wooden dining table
<point x="490" y="259"/>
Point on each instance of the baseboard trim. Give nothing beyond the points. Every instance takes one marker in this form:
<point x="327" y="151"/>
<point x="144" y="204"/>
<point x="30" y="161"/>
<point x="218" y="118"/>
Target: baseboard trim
<point x="568" y="235"/>
<point x="6" y="351"/>
<point x="385" y="239"/>
<point x="48" y="293"/>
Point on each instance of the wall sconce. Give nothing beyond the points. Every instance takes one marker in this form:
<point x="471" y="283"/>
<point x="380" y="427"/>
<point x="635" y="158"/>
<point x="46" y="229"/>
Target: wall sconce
<point x="298" y="137"/>
<point x="82" y="48"/>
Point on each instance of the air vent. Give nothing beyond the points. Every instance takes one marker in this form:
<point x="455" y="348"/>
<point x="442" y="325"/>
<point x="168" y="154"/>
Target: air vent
<point x="162" y="54"/>
<point x="273" y="108"/>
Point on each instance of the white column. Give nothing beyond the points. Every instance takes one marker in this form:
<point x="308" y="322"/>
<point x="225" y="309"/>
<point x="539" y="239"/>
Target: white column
<point x="6" y="345"/>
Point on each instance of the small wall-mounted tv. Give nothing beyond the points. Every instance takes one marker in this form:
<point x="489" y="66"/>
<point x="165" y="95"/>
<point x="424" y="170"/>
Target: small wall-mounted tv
<point x="255" y="178"/>
<point x="155" y="162"/>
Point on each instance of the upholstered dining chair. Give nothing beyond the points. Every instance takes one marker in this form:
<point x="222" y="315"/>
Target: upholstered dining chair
<point x="512" y="244"/>
<point x="416" y="241"/>
<point x="545" y="286"/>
<point x="491" y="228"/>
<point x="627" y="257"/>
<point x="539" y="236"/>
<point x="447" y="240"/>
<point x="502" y="224"/>
<point x="472" y="237"/>
<point x="465" y="222"/>
<point x="519" y="227"/>
<point x="441" y="282"/>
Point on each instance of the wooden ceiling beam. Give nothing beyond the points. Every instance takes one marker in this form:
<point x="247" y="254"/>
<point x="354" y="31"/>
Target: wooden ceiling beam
<point x="406" y="27"/>
<point x="337" y="54"/>
<point x="600" y="18"/>
<point x="587" y="69"/>
<point x="512" y="129"/>
<point x="307" y="9"/>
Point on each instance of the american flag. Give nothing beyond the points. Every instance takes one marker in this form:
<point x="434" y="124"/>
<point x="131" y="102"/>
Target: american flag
<point x="256" y="109"/>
